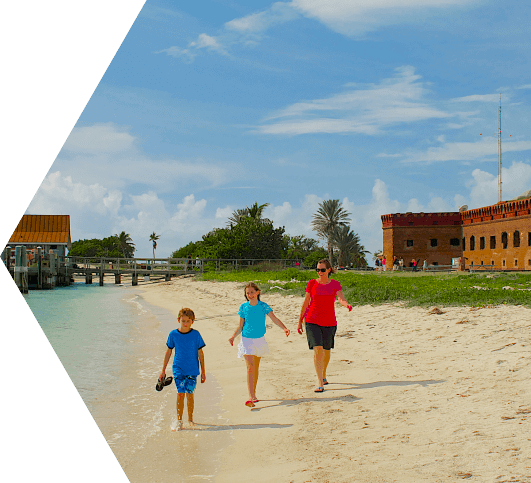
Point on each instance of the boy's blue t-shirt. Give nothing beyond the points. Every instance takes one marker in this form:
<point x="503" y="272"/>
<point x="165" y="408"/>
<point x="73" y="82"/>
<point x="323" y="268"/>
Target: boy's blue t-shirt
<point x="254" y="326"/>
<point x="185" y="358"/>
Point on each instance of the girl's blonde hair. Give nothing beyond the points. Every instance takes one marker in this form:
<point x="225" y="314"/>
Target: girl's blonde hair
<point x="328" y="264"/>
<point x="251" y="285"/>
<point x="188" y="312"/>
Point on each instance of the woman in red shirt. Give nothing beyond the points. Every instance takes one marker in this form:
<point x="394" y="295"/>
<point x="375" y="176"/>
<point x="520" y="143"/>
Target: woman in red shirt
<point x="319" y="314"/>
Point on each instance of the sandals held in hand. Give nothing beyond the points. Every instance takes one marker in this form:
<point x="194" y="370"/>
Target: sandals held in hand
<point x="160" y="384"/>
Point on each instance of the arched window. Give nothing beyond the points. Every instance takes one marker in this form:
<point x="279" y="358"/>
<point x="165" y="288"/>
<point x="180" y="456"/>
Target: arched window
<point x="516" y="239"/>
<point x="472" y="243"/>
<point x="505" y="239"/>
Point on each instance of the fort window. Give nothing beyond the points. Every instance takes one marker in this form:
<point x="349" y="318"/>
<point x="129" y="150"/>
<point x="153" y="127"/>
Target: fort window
<point x="503" y="263"/>
<point x="516" y="239"/>
<point x="409" y="243"/>
<point x="516" y="263"/>
<point x="472" y="243"/>
<point x="505" y="239"/>
<point x="481" y="262"/>
<point x="435" y="263"/>
<point x="493" y="242"/>
<point x="435" y="222"/>
<point x="482" y="243"/>
<point x="455" y="242"/>
<point x="433" y="242"/>
<point x="492" y="263"/>
<point x="529" y="239"/>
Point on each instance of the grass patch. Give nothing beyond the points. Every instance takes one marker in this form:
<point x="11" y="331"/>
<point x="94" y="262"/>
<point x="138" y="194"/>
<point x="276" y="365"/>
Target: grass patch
<point x="411" y="289"/>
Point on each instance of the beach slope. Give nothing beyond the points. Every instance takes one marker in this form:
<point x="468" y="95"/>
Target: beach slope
<point x="412" y="396"/>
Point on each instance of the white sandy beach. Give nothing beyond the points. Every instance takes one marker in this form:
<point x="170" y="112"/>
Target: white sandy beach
<point x="413" y="397"/>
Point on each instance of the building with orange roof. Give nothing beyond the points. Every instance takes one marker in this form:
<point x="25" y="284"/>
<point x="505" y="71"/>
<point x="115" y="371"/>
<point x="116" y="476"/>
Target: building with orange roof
<point x="50" y="232"/>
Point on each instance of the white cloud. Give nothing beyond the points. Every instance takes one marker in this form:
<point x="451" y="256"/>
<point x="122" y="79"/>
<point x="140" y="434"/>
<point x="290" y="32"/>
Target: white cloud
<point x="60" y="195"/>
<point x="465" y="151"/>
<point x="356" y="18"/>
<point x="205" y="41"/>
<point x="516" y="179"/>
<point x="224" y="213"/>
<point x="99" y="138"/>
<point x="187" y="55"/>
<point x="353" y="19"/>
<point x="480" y="98"/>
<point x="277" y="14"/>
<point x="113" y="154"/>
<point x="365" y="109"/>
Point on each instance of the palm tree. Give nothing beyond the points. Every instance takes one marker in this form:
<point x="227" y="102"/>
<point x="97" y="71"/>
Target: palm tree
<point x="329" y="216"/>
<point x="126" y="244"/>
<point x="153" y="238"/>
<point x="348" y="244"/>
<point x="255" y="211"/>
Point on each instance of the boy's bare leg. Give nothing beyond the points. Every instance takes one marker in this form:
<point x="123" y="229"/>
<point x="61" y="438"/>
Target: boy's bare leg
<point x="190" y="407"/>
<point x="180" y="409"/>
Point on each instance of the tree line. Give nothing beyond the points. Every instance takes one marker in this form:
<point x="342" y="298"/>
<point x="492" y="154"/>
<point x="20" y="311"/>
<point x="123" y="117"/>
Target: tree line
<point x="248" y="235"/>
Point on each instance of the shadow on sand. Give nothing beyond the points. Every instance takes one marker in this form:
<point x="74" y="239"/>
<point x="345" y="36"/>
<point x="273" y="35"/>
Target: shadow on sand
<point x="347" y="386"/>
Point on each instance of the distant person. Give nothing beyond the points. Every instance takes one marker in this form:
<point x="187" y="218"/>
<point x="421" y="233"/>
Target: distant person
<point x="319" y="315"/>
<point x="401" y="263"/>
<point x="253" y="328"/>
<point x="383" y="263"/>
<point x="189" y="262"/>
<point x="188" y="345"/>
<point x="377" y="264"/>
<point x="414" y="264"/>
<point x="424" y="265"/>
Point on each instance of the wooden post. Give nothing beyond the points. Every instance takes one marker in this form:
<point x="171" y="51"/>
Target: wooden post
<point x="117" y="278"/>
<point x="39" y="268"/>
<point x="134" y="278"/>
<point x="101" y="272"/>
<point x="88" y="278"/>
<point x="24" y="271"/>
<point x="53" y="270"/>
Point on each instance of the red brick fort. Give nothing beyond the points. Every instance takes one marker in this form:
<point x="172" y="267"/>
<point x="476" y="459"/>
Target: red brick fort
<point x="498" y="235"/>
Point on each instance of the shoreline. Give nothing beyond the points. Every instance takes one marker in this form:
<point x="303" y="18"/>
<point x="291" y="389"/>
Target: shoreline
<point x="413" y="396"/>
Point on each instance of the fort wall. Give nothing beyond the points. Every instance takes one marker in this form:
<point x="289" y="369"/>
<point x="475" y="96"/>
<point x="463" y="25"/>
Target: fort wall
<point x="498" y="235"/>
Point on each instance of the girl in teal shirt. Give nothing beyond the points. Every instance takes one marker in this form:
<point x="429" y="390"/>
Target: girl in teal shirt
<point x="252" y="327"/>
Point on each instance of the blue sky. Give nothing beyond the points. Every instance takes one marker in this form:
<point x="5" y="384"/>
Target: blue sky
<point x="389" y="106"/>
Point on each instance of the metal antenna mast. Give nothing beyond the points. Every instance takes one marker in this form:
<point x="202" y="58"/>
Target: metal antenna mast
<point x="499" y="154"/>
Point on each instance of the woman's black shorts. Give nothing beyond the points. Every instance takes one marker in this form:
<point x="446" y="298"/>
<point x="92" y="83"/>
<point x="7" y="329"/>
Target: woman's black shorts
<point x="318" y="335"/>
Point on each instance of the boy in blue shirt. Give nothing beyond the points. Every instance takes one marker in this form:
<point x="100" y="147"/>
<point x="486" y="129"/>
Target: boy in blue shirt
<point x="188" y="345"/>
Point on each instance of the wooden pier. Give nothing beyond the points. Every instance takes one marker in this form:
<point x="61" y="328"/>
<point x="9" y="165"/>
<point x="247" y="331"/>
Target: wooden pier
<point x="48" y="271"/>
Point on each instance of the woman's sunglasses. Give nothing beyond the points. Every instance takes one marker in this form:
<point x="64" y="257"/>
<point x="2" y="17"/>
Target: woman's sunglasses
<point x="323" y="270"/>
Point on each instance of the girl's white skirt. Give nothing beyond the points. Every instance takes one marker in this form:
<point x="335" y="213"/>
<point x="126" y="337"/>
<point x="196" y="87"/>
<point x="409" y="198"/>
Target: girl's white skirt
<point x="253" y="347"/>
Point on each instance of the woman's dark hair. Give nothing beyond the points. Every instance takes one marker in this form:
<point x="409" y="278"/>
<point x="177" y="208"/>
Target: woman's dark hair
<point x="328" y="264"/>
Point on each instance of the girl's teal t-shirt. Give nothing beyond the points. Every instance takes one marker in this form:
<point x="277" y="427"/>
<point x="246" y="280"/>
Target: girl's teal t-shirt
<point x="254" y="326"/>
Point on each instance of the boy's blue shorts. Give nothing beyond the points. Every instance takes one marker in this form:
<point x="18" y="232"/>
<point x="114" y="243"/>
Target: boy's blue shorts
<point x="185" y="384"/>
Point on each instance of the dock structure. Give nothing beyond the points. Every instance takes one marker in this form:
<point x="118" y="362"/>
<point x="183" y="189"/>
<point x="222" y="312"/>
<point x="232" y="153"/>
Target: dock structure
<point x="48" y="271"/>
<point x="135" y="268"/>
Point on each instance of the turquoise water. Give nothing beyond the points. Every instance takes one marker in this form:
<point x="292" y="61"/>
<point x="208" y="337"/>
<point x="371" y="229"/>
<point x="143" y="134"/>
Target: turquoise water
<point x="110" y="342"/>
<point x="112" y="345"/>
